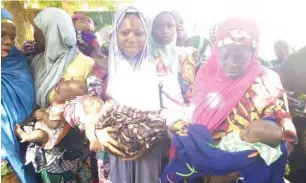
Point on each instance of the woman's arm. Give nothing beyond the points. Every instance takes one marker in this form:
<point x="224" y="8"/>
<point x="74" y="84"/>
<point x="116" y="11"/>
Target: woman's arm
<point x="278" y="112"/>
<point x="108" y="143"/>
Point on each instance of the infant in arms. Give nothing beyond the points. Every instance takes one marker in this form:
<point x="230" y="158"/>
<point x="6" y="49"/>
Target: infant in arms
<point x="263" y="136"/>
<point x="72" y="107"/>
<point x="136" y="128"/>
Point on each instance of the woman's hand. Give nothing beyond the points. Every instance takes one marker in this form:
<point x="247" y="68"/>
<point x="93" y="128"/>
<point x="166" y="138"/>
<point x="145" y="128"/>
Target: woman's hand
<point x="108" y="143"/>
<point x="138" y="156"/>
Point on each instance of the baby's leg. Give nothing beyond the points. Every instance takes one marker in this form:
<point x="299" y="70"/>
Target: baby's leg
<point x="39" y="136"/>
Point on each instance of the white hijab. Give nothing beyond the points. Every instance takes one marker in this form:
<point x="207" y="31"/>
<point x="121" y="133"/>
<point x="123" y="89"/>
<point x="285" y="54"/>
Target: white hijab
<point x="129" y="86"/>
<point x="60" y="49"/>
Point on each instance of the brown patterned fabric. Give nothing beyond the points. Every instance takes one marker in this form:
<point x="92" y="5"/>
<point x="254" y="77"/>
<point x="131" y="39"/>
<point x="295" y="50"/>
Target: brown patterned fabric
<point x="136" y="128"/>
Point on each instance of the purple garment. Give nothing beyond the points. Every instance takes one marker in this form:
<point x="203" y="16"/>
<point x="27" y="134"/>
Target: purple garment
<point x="89" y="37"/>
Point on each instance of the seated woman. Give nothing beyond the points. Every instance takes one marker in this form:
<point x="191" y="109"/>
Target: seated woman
<point x="233" y="90"/>
<point x="17" y="103"/>
<point x="59" y="59"/>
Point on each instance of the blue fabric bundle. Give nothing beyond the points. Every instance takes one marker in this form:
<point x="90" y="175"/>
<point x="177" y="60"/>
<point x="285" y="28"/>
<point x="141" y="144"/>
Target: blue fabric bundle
<point x="196" y="156"/>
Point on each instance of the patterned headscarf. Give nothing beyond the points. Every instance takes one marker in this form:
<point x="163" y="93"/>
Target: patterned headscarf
<point x="137" y="85"/>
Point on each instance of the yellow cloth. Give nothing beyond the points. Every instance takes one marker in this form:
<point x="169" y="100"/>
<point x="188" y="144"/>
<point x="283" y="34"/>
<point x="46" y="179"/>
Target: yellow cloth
<point x="78" y="69"/>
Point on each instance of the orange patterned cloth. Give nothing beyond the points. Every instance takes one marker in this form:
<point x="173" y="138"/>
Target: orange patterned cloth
<point x="187" y="73"/>
<point x="265" y="99"/>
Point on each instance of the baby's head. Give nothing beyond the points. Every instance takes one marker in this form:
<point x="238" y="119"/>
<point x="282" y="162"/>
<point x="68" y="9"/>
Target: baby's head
<point x="70" y="88"/>
<point x="83" y="23"/>
<point x="266" y="132"/>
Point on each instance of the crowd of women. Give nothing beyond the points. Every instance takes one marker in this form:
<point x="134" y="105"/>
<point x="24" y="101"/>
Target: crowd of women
<point x="142" y="63"/>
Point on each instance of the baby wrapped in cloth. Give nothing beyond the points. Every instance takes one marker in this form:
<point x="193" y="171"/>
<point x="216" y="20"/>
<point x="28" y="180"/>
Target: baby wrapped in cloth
<point x="257" y="150"/>
<point x="136" y="128"/>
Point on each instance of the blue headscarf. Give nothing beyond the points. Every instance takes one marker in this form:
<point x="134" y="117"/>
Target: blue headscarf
<point x="17" y="103"/>
<point x="6" y="15"/>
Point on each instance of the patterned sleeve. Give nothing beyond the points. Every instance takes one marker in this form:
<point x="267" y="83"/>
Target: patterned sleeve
<point x="97" y="81"/>
<point x="186" y="75"/>
<point x="277" y="108"/>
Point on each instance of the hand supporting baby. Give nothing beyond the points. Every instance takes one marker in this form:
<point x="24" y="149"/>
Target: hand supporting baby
<point x="100" y="140"/>
<point x="108" y="143"/>
<point x="90" y="132"/>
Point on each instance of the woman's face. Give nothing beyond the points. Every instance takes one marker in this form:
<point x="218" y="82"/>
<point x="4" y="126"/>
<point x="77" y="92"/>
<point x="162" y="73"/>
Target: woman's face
<point x="131" y="35"/>
<point x="234" y="59"/>
<point x="39" y="39"/>
<point x="164" y="28"/>
<point x="8" y="35"/>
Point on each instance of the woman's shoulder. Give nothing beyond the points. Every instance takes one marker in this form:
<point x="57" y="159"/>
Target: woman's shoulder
<point x="271" y="81"/>
<point x="80" y="67"/>
<point x="81" y="58"/>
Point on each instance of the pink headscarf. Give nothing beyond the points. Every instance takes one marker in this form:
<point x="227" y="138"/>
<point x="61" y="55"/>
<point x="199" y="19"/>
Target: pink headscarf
<point x="77" y="16"/>
<point x="215" y="94"/>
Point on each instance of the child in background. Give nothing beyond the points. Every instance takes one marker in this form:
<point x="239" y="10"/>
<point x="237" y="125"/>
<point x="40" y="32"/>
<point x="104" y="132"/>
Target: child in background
<point x="86" y="39"/>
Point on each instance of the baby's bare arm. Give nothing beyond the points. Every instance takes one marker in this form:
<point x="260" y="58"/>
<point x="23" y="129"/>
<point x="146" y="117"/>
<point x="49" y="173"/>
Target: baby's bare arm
<point x="38" y="136"/>
<point x="44" y="116"/>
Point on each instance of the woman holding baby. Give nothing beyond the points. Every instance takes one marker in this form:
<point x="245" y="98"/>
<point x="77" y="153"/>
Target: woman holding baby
<point x="65" y="158"/>
<point x="233" y="90"/>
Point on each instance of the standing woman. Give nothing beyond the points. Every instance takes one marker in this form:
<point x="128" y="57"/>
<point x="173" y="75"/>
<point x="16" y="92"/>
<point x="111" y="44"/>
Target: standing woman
<point x="61" y="58"/>
<point x="17" y="102"/>
<point x="55" y="34"/>
<point x="233" y="90"/>
<point x="132" y="81"/>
